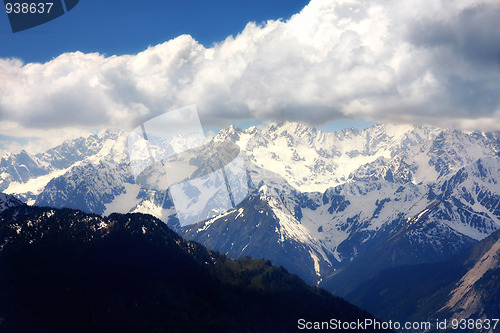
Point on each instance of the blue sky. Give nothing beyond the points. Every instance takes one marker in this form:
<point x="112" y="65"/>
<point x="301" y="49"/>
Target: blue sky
<point x="126" y="27"/>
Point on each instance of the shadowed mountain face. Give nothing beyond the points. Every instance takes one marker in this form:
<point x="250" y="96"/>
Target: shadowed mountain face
<point x="62" y="270"/>
<point x="7" y="201"/>
<point x="465" y="287"/>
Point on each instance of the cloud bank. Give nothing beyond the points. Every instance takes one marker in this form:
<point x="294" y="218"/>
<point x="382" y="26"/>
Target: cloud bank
<point x="417" y="61"/>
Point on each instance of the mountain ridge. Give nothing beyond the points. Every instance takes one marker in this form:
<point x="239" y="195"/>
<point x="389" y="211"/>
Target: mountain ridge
<point x="373" y="183"/>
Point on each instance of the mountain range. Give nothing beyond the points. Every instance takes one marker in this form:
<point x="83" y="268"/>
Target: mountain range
<point x="335" y="208"/>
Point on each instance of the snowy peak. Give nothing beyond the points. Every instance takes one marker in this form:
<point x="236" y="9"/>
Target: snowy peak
<point x="312" y="160"/>
<point x="72" y="151"/>
<point x="288" y="128"/>
<point x="231" y="133"/>
<point x="452" y="150"/>
<point x="23" y="167"/>
<point x="263" y="227"/>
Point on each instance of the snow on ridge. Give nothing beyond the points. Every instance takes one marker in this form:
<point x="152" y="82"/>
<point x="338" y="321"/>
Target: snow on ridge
<point x="35" y="185"/>
<point x="291" y="228"/>
<point x="312" y="160"/>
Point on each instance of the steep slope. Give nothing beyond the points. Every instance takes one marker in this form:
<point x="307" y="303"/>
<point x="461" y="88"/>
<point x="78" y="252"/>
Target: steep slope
<point x="466" y="287"/>
<point x="62" y="270"/>
<point x="262" y="228"/>
<point x="427" y="242"/>
<point x="477" y="293"/>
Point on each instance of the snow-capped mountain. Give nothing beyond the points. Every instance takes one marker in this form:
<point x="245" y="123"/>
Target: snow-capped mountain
<point x="420" y="193"/>
<point x="312" y="160"/>
<point x="27" y="175"/>
<point x="319" y="202"/>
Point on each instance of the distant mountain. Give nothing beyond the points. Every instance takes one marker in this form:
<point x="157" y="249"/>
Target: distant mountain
<point x="321" y="204"/>
<point x="28" y="174"/>
<point x="465" y="287"/>
<point x="62" y="270"/>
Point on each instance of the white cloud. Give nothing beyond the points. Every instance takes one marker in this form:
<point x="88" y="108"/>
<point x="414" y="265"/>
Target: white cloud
<point x="9" y="146"/>
<point x="417" y="61"/>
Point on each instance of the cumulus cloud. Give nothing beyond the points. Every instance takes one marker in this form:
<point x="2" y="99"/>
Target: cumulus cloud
<point x="416" y="61"/>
